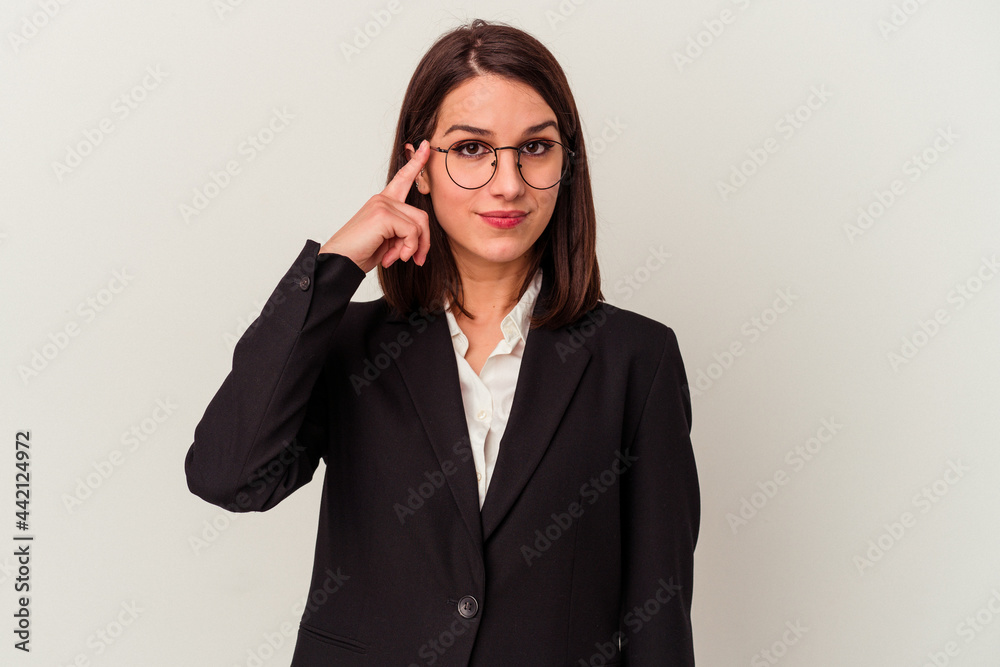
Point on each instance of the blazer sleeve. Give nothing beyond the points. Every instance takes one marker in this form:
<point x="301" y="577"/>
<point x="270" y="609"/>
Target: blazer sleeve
<point x="661" y="512"/>
<point x="264" y="431"/>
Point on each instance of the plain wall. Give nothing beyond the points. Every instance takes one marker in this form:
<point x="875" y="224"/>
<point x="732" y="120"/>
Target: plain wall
<point x="821" y="176"/>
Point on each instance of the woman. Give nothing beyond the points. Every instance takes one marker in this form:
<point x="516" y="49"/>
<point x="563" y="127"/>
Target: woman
<point x="509" y="478"/>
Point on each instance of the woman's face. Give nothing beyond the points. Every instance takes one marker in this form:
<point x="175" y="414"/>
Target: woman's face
<point x="501" y="112"/>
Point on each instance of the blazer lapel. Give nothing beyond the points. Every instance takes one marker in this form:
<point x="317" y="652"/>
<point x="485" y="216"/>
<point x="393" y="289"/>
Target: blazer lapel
<point x="551" y="367"/>
<point x="430" y="372"/>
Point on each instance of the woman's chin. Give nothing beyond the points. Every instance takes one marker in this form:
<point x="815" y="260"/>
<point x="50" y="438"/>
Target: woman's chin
<point x="502" y="252"/>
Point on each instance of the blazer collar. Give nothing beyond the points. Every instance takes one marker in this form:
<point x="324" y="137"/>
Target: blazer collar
<point x="552" y="364"/>
<point x="514" y="325"/>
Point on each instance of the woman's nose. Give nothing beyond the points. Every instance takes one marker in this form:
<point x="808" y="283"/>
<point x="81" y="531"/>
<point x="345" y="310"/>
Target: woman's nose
<point x="506" y="179"/>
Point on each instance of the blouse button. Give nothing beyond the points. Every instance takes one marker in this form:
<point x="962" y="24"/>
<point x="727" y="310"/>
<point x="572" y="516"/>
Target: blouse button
<point x="479" y="476"/>
<point x="481" y="415"/>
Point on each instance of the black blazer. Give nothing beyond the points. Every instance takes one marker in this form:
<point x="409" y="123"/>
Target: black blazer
<point x="586" y="537"/>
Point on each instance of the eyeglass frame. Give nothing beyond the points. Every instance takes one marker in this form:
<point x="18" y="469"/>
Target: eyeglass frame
<point x="496" y="160"/>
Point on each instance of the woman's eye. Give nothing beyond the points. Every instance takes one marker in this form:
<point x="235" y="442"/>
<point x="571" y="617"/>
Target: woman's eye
<point x="537" y="147"/>
<point x="471" y="149"/>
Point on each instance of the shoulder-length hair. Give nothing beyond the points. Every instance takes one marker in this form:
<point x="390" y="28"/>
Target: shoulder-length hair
<point x="566" y="250"/>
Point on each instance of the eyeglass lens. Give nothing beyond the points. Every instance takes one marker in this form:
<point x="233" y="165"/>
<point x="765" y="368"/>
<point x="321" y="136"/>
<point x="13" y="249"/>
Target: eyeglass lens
<point x="471" y="164"/>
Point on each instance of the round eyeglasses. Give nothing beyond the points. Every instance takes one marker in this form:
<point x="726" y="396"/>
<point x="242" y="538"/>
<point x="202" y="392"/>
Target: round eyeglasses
<point x="471" y="163"/>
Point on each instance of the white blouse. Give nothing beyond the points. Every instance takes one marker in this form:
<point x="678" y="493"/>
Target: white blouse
<point x="488" y="396"/>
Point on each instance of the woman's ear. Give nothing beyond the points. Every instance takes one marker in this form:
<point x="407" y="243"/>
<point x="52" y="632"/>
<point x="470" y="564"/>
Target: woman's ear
<point x="423" y="187"/>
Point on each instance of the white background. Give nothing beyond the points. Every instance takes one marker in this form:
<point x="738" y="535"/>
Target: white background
<point x="663" y="134"/>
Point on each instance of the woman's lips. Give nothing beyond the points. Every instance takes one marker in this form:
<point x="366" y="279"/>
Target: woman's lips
<point x="503" y="219"/>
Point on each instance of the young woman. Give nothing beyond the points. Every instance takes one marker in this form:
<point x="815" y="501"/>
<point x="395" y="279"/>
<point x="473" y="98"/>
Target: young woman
<point x="509" y="478"/>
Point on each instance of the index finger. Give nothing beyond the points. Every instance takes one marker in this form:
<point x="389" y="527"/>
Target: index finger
<point x="401" y="183"/>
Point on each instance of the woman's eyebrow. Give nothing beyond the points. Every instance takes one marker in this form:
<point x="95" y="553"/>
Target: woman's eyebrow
<point x="489" y="133"/>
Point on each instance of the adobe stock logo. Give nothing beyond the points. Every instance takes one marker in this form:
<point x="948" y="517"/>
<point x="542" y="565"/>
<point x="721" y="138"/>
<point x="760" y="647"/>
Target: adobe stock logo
<point x="796" y="458"/>
<point x="785" y="128"/>
<point x="779" y="649"/>
<point x="968" y="629"/>
<point x="381" y="18"/>
<point x="592" y="491"/>
<point x="924" y="500"/>
<point x="88" y="309"/>
<point x="565" y="9"/>
<point x="899" y="17"/>
<point x="433" y="480"/>
<point x="635" y="620"/>
<point x="107" y="635"/>
<point x="913" y="168"/>
<point x="752" y="330"/>
<point x="106" y="466"/>
<point x="121" y="108"/>
<point x="217" y="181"/>
<point x="711" y="30"/>
<point x="928" y="329"/>
<point x="32" y="23"/>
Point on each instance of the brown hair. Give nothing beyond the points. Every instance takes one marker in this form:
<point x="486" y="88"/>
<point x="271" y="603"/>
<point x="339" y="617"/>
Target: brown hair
<point x="566" y="250"/>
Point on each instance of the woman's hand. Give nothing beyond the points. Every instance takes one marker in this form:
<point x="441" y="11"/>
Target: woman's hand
<point x="387" y="228"/>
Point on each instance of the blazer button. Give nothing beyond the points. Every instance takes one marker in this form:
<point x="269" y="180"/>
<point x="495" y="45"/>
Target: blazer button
<point x="304" y="283"/>
<point x="468" y="606"/>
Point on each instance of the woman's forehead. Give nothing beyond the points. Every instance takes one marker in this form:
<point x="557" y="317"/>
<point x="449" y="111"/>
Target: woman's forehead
<point x="495" y="104"/>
